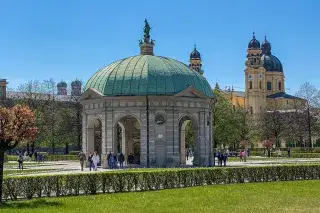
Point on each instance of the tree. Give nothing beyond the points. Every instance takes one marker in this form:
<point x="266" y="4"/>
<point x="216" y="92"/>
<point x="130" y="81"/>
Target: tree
<point x="244" y="124"/>
<point x="17" y="126"/>
<point x="311" y="95"/>
<point x="273" y="125"/>
<point x="224" y="127"/>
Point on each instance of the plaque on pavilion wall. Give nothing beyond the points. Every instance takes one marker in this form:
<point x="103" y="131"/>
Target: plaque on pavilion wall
<point x="159" y="119"/>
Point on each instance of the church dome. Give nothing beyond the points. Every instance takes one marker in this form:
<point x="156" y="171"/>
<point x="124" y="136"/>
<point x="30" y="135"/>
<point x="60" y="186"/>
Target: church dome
<point x="62" y="84"/>
<point x="254" y="43"/>
<point x="147" y="75"/>
<point x="271" y="63"/>
<point x="266" y="46"/>
<point x="195" y="54"/>
<point x="76" y="83"/>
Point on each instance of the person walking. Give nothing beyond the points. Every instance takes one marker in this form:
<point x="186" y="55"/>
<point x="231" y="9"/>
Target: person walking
<point x="130" y="159"/>
<point x="115" y="161"/>
<point x="90" y="161"/>
<point x="95" y="160"/>
<point x="109" y="159"/>
<point x="245" y="155"/>
<point x="121" y="160"/>
<point x="20" y="160"/>
<point x="187" y="154"/>
<point x="289" y="152"/>
<point x="279" y="153"/>
<point x="225" y="157"/>
<point x="82" y="159"/>
<point x="241" y="155"/>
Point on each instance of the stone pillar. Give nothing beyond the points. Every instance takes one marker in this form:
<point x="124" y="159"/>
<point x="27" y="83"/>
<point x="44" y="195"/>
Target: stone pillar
<point x="84" y="134"/>
<point x="143" y="137"/>
<point x="104" y="141"/>
<point x="203" y="140"/>
<point x="128" y="135"/>
<point x="182" y="145"/>
<point x="152" y="138"/>
<point x="169" y="140"/>
<point x="176" y="144"/>
<point x="109" y="130"/>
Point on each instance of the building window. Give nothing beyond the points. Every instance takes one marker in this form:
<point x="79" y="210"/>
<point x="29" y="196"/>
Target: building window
<point x="260" y="86"/>
<point x="269" y="85"/>
<point x="251" y="110"/>
<point x="250" y="84"/>
<point x="280" y="86"/>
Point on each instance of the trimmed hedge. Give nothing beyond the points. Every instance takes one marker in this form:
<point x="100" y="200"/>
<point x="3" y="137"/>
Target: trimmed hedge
<point x="285" y="154"/>
<point x="50" y="157"/>
<point x="135" y="180"/>
<point x="62" y="158"/>
<point x="74" y="152"/>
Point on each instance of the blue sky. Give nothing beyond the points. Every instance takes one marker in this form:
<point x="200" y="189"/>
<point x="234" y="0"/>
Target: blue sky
<point x="69" y="39"/>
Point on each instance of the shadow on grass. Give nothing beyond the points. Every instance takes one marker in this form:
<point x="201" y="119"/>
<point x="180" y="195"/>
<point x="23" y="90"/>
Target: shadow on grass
<point x="29" y="204"/>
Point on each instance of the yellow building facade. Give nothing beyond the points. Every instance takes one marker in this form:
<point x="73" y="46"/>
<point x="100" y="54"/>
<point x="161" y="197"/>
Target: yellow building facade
<point x="264" y="81"/>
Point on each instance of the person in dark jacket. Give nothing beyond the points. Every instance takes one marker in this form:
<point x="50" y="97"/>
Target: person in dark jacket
<point x="20" y="160"/>
<point x="225" y="157"/>
<point x="90" y="161"/>
<point x="130" y="159"/>
<point x="220" y="158"/>
<point x="289" y="152"/>
<point x="115" y="161"/>
<point x="109" y="160"/>
<point x="82" y="159"/>
<point x="121" y="160"/>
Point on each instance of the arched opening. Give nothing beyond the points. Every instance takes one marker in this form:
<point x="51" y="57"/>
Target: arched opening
<point x="188" y="138"/>
<point x="127" y="138"/>
<point x="95" y="137"/>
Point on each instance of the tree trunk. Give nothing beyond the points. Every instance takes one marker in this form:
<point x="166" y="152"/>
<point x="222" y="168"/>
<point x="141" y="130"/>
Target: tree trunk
<point x="1" y="173"/>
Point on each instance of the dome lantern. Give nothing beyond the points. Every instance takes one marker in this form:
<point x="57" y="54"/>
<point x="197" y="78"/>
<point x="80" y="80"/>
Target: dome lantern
<point x="147" y="44"/>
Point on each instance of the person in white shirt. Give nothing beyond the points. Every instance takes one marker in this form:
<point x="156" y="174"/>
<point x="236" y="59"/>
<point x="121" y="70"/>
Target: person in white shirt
<point x="95" y="160"/>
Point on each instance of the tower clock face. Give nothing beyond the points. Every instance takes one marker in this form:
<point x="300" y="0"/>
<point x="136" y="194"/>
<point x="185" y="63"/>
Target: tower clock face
<point x="250" y="77"/>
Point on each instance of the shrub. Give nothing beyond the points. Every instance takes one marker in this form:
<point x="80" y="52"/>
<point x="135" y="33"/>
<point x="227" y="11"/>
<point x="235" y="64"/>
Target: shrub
<point x="74" y="152"/>
<point x="61" y="157"/>
<point x="12" y="157"/>
<point x="125" y="181"/>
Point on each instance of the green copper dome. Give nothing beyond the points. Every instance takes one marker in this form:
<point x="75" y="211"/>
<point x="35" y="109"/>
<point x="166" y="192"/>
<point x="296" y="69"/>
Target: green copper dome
<point x="147" y="75"/>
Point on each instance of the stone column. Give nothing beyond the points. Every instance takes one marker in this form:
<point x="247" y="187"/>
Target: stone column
<point x="84" y="134"/>
<point x="182" y="145"/>
<point x="128" y="135"/>
<point x="109" y="130"/>
<point x="104" y="141"/>
<point x="152" y="138"/>
<point x="143" y="137"/>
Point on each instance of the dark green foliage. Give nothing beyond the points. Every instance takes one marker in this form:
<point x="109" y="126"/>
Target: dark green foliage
<point x="123" y="181"/>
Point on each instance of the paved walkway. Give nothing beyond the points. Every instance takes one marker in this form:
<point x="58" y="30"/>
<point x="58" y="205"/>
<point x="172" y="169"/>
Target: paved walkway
<point x="67" y="167"/>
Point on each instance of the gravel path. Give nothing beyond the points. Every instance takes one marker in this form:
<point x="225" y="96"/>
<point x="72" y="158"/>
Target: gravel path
<point x="68" y="167"/>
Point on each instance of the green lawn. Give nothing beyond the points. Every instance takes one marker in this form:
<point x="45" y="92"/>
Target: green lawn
<point x="291" y="197"/>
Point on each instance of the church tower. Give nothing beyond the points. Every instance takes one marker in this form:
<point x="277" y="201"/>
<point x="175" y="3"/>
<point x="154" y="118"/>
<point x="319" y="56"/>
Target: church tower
<point x="255" y="78"/>
<point x="195" y="61"/>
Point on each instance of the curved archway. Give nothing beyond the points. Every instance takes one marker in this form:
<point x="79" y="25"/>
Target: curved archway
<point x="95" y="136"/>
<point x="188" y="140"/>
<point x="127" y="137"/>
